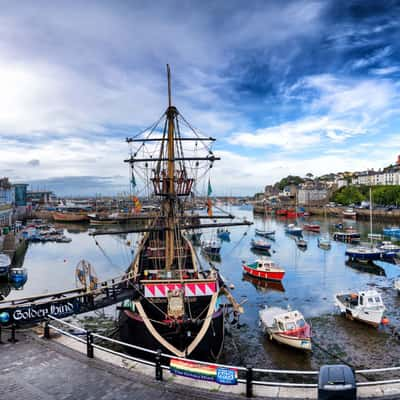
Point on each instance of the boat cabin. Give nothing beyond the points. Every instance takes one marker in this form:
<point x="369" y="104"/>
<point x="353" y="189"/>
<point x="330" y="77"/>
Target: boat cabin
<point x="370" y="298"/>
<point x="290" y="321"/>
<point x="264" y="263"/>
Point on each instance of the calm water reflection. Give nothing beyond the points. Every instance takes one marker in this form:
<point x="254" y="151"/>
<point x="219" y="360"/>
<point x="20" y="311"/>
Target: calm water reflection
<point x="312" y="278"/>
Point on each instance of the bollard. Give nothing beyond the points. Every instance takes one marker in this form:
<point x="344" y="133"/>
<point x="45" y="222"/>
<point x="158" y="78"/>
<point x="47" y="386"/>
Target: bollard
<point x="249" y="381"/>
<point x="0" y="336"/>
<point x="89" y="344"/>
<point x="46" y="333"/>
<point x="159" y="372"/>
<point x="12" y="338"/>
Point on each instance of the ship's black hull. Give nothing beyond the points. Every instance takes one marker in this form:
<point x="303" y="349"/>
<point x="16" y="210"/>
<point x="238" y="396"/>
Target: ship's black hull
<point x="133" y="331"/>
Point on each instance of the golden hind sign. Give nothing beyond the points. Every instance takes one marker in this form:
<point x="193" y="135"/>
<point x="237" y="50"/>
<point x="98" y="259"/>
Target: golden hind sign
<point x="35" y="313"/>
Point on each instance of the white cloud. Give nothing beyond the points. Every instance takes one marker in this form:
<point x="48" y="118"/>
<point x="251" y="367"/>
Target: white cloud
<point x="337" y="110"/>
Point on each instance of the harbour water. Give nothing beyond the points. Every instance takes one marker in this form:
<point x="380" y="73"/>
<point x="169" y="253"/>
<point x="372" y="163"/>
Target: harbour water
<point x="312" y="278"/>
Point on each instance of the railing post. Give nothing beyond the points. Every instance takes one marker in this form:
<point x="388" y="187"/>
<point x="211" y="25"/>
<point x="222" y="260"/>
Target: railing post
<point x="89" y="344"/>
<point x="46" y="332"/>
<point x="0" y="336"/>
<point x="249" y="381"/>
<point x="159" y="372"/>
<point x="12" y="338"/>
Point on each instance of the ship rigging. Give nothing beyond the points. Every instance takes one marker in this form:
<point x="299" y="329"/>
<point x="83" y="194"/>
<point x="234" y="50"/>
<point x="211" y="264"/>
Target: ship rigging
<point x="177" y="305"/>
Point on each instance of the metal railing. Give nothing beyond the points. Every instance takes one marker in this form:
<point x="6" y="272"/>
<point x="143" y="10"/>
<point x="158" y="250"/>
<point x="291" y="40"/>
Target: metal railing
<point x="156" y="359"/>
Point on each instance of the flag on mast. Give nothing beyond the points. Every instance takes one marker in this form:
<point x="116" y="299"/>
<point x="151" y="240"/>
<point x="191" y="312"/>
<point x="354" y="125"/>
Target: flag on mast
<point x="209" y="192"/>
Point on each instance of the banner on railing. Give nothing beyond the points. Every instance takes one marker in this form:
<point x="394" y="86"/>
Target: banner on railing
<point x="212" y="373"/>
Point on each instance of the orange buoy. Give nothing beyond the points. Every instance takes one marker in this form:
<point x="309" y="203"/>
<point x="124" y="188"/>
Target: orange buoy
<point x="385" y="320"/>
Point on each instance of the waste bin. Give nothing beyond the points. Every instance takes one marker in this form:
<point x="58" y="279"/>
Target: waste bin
<point x="336" y="382"/>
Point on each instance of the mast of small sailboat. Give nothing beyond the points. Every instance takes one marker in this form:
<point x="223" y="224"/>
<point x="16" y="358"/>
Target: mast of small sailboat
<point x="169" y="203"/>
<point x="370" y="214"/>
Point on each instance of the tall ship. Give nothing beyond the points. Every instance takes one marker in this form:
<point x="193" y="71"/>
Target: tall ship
<point x="179" y="305"/>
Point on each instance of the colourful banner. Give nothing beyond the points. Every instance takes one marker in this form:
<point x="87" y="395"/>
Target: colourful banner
<point x="212" y="373"/>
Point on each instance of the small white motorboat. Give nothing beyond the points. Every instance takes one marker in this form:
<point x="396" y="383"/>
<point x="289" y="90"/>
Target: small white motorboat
<point x="211" y="246"/>
<point x="286" y="327"/>
<point x="365" y="306"/>
<point x="397" y="285"/>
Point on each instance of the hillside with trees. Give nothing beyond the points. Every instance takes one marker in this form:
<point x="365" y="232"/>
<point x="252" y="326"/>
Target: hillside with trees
<point x="381" y="195"/>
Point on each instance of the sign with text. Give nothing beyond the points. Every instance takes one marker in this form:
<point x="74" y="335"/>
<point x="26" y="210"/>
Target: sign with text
<point x="21" y="315"/>
<point x="212" y="373"/>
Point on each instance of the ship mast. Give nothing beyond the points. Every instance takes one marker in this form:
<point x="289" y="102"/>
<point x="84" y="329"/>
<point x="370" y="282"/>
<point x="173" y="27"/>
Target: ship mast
<point x="169" y="204"/>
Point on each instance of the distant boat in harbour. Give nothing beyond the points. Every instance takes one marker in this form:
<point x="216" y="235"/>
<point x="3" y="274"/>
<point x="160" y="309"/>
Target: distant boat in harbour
<point x="70" y="216"/>
<point x="349" y="213"/>
<point x="312" y="228"/>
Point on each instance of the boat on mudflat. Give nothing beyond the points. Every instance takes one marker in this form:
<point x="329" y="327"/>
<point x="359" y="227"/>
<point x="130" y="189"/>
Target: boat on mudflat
<point x="349" y="213"/>
<point x="264" y="268"/>
<point x="365" y="306"/>
<point x="286" y="327"/>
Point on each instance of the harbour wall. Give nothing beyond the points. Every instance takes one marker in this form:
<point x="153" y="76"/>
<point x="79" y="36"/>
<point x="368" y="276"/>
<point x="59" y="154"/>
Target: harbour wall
<point x="362" y="214"/>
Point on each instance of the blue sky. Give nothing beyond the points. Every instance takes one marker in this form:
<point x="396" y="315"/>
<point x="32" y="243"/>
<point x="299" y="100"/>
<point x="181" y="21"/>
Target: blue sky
<point x="286" y="87"/>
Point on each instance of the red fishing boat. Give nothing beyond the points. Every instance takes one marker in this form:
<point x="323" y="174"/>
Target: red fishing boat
<point x="281" y="212"/>
<point x="312" y="227"/>
<point x="264" y="268"/>
<point x="294" y="214"/>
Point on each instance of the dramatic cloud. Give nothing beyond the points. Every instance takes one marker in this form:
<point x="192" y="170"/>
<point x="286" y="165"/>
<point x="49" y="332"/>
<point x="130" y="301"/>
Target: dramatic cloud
<point x="282" y="85"/>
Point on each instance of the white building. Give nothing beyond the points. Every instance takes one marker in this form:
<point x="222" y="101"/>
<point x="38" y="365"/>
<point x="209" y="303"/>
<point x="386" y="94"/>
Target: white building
<point x="341" y="183"/>
<point x="308" y="196"/>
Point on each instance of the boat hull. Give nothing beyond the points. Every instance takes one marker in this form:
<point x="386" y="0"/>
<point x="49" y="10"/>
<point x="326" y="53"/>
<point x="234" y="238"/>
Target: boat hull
<point x="134" y="331"/>
<point x="265" y="233"/>
<point x="372" y="256"/>
<point x="312" y="228"/>
<point x="292" y="341"/>
<point x="372" y="317"/>
<point x="269" y="275"/>
<point x="70" y="217"/>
